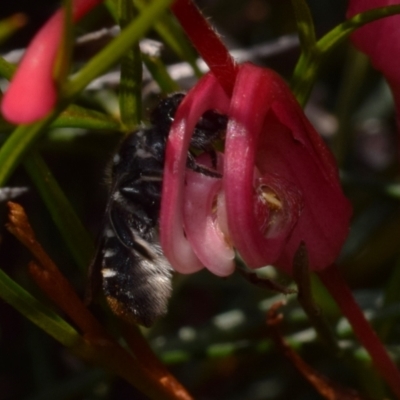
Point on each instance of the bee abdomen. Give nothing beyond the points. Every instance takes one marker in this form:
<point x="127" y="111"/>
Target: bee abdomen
<point x="137" y="289"/>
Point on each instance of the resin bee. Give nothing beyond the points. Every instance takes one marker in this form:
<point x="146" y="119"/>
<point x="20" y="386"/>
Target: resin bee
<point x="129" y="263"/>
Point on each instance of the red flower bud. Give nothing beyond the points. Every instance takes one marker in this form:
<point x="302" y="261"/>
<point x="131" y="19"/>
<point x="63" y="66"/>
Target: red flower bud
<point x="32" y="93"/>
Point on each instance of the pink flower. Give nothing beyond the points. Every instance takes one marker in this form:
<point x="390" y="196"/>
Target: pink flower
<point x="279" y="185"/>
<point x="33" y="91"/>
<point x="380" y="40"/>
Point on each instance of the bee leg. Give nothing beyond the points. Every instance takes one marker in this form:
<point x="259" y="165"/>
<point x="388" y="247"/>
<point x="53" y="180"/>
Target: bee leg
<point x="201" y="169"/>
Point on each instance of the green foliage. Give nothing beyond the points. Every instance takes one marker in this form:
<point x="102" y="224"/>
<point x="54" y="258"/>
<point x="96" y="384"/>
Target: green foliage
<point x="37" y="312"/>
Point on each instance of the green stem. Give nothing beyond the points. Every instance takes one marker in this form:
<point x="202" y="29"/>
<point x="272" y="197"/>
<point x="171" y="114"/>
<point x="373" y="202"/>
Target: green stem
<point x="173" y="36"/>
<point x="342" y="31"/>
<point x="116" y="49"/>
<point x="160" y="74"/>
<point x="19" y="142"/>
<point x="308" y="65"/>
<point x="130" y="89"/>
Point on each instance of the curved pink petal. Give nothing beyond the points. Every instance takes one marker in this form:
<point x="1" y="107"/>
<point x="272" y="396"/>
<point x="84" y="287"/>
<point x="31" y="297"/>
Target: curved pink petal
<point x="32" y="93"/>
<point x="207" y="94"/>
<point x="268" y="129"/>
<point x="201" y="223"/>
<point x="247" y="114"/>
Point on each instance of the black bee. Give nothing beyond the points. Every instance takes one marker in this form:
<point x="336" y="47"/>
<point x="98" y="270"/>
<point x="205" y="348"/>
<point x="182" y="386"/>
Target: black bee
<point x="129" y="263"/>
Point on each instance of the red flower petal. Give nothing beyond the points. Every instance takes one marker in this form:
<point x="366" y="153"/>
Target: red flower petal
<point x="268" y="129"/>
<point x="207" y="94"/>
<point x="202" y="199"/>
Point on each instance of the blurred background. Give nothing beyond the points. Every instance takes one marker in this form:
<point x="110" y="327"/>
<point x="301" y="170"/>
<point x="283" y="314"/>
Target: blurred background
<point x="214" y="338"/>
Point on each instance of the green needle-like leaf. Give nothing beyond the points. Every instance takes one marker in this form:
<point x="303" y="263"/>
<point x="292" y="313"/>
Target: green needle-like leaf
<point x="36" y="312"/>
<point x="307" y="67"/>
<point x="79" y="117"/>
<point x="19" y="142"/>
<point x="305" y="26"/>
<point x="63" y="61"/>
<point x="160" y="74"/>
<point x="75" y="235"/>
<point x="106" y="58"/>
<point x="309" y="49"/>
<point x="342" y="31"/>
<point x="130" y="89"/>
<point x="10" y="25"/>
<point x="6" y="69"/>
<point x="172" y="34"/>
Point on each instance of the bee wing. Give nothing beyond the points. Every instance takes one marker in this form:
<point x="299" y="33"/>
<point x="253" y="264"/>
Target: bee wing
<point x="116" y="223"/>
<point x="130" y="268"/>
<point x="94" y="284"/>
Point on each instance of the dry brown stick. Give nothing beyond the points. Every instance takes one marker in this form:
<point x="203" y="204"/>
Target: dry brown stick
<point x="49" y="278"/>
<point x="149" y="360"/>
<point x="146" y="373"/>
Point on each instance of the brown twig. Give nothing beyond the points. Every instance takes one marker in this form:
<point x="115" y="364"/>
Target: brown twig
<point x="49" y="278"/>
<point x="149" y="360"/>
<point x="98" y="347"/>
<point x="325" y="387"/>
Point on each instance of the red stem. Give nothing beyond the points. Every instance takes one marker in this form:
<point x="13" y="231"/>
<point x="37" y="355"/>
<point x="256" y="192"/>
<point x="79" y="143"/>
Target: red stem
<point x="207" y="43"/>
<point x="339" y="290"/>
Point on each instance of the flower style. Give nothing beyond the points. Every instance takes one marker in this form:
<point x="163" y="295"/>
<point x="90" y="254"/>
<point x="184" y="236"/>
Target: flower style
<point x="33" y="91"/>
<point x="380" y="40"/>
<point x="279" y="184"/>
